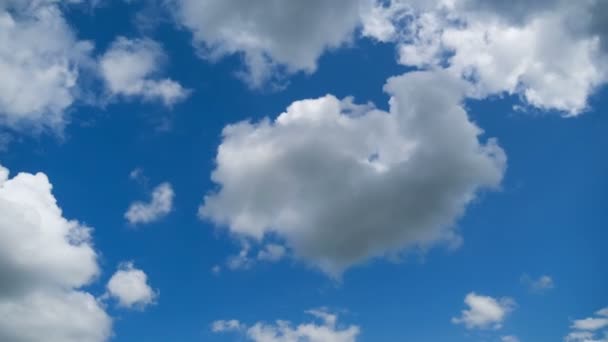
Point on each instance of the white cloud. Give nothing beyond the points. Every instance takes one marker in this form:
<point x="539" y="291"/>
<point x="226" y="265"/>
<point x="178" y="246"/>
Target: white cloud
<point x="246" y="259"/>
<point x="242" y="260"/>
<point x="225" y="326"/>
<point x="284" y="331"/>
<point x="509" y="338"/>
<point x="271" y="35"/>
<point x="581" y="336"/>
<point x="590" y="329"/>
<point x="216" y="269"/>
<point x="131" y="67"/>
<point x="40" y="61"/>
<point x="484" y="312"/>
<point x="340" y="183"/>
<point x="44" y="261"/>
<point x="534" y="49"/>
<point x="541" y="284"/>
<point x="130" y="287"/>
<point x="159" y="206"/>
<point x="590" y="323"/>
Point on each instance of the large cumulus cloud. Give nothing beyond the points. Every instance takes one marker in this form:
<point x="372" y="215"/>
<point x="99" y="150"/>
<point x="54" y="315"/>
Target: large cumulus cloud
<point x="340" y="182"/>
<point x="45" y="260"/>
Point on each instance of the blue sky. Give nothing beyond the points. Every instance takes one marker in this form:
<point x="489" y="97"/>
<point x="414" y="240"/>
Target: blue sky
<point x="464" y="199"/>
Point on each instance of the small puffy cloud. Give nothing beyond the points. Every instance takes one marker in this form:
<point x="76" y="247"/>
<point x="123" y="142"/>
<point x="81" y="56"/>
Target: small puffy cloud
<point x="283" y="331"/>
<point x="130" y="287"/>
<point x="509" y="338"/>
<point x="131" y="68"/>
<point x="539" y="50"/>
<point x="45" y="260"/>
<point x="590" y="323"/>
<point x="273" y="36"/>
<point x="160" y="205"/>
<point x="484" y="312"/>
<point x="225" y="326"/>
<point x="541" y="284"/>
<point x="590" y="329"/>
<point x="242" y="260"/>
<point x="246" y="258"/>
<point x="216" y="269"/>
<point x="40" y="60"/>
<point x="136" y="174"/>
<point x="339" y="183"/>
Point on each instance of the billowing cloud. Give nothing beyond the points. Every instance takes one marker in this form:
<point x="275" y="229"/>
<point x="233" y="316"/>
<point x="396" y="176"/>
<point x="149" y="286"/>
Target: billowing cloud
<point x="340" y="182"/>
<point x="273" y="36"/>
<point x="160" y="205"/>
<point x="45" y="260"/>
<point x="282" y="331"/>
<point x="40" y="60"/>
<point x="131" y="67"/>
<point x="539" y="50"/>
<point x="590" y="329"/>
<point x="130" y="287"/>
<point x="484" y="312"/>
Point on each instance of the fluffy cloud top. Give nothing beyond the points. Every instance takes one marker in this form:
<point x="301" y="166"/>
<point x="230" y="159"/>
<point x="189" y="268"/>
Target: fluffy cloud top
<point x="130" y="287"/>
<point x="159" y="206"/>
<point x="44" y="260"/>
<point x="39" y="63"/>
<point x="131" y="68"/>
<point x="283" y="331"/>
<point x="341" y="182"/>
<point x="271" y="35"/>
<point x="484" y="312"/>
<point x="536" y="49"/>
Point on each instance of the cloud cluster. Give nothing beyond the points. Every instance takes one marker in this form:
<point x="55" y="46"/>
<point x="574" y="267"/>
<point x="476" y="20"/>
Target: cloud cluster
<point x="340" y="182"/>
<point x="283" y="331"/>
<point x="130" y="68"/>
<point x="590" y="329"/>
<point x="45" y="260"/>
<point x="44" y="64"/>
<point x="484" y="312"/>
<point x="160" y="205"/>
<point x="130" y="287"/>
<point x="540" y="50"/>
